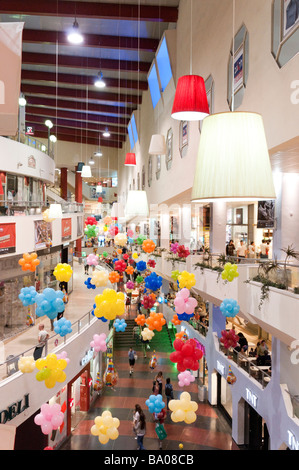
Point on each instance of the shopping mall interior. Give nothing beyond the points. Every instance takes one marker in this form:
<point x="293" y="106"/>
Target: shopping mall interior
<point x="149" y="234"/>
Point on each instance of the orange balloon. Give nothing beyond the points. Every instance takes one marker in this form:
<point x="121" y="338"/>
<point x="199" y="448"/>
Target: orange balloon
<point x="175" y="320"/>
<point x="114" y="277"/>
<point x="148" y="246"/>
<point x="130" y="270"/>
<point x="140" y="320"/>
<point x="155" y="321"/>
<point x="119" y="251"/>
<point x="29" y="262"/>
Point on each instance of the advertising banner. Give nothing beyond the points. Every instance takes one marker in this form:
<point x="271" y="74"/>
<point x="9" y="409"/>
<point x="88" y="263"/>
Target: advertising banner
<point x="10" y="76"/>
<point x="66" y="229"/>
<point x="42" y="234"/>
<point x="7" y="238"/>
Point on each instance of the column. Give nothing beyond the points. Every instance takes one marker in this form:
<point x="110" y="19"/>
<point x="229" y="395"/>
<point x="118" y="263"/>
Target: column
<point x="63" y="183"/>
<point x="218" y="227"/>
<point x="78" y="198"/>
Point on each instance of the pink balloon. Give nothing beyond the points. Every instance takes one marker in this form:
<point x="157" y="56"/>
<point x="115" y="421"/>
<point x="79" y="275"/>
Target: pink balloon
<point x="46" y="428"/>
<point x="184" y="293"/>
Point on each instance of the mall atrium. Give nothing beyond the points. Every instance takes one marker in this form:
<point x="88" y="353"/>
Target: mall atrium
<point x="149" y="237"/>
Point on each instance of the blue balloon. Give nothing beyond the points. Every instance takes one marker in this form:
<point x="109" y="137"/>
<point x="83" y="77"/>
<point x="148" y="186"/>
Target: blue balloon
<point x="88" y="284"/>
<point x="185" y="316"/>
<point x="115" y="259"/>
<point x="28" y="296"/>
<point x="155" y="403"/>
<point x="49" y="302"/>
<point x="141" y="266"/>
<point x="62" y="326"/>
<point x="229" y="308"/>
<point x="119" y="325"/>
<point x="153" y="282"/>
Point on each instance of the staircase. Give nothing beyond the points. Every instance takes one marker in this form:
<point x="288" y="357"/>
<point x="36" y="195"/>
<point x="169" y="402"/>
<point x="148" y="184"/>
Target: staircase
<point x="125" y="339"/>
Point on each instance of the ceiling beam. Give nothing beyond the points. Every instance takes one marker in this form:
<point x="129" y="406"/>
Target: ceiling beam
<point x="83" y="80"/>
<point x="75" y="115"/>
<point x="33" y="36"/>
<point x="112" y="11"/>
<point x="40" y="120"/>
<point x="77" y="139"/>
<point x="83" y="134"/>
<point x="80" y="94"/>
<point x="35" y="58"/>
<point x="78" y="106"/>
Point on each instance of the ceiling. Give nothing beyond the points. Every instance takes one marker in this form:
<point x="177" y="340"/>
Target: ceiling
<point x="120" y="40"/>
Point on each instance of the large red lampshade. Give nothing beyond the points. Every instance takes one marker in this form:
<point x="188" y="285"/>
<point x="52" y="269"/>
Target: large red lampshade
<point x="130" y="159"/>
<point x="190" y="101"/>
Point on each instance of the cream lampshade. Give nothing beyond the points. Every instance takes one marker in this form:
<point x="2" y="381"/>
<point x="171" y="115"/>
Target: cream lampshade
<point x="137" y="205"/>
<point x="157" y="145"/>
<point x="86" y="172"/>
<point x="117" y="210"/>
<point x="55" y="211"/>
<point x="233" y="161"/>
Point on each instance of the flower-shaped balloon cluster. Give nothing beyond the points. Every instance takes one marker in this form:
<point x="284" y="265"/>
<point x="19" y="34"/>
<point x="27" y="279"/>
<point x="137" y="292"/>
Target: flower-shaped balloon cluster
<point x="155" y="321"/>
<point x="139" y="279"/>
<point x="151" y="263"/>
<point x="229" y="339"/>
<point x="185" y="378"/>
<point x="186" y="355"/>
<point x="105" y="427"/>
<point x="129" y="270"/>
<point x="120" y="325"/>
<point x="26" y="364"/>
<point x="100" y="278"/>
<point x="114" y="277"/>
<point x="88" y="283"/>
<point x="109" y="304"/>
<point x="51" y="370"/>
<point x="92" y="260"/>
<point x="135" y="255"/>
<point x="29" y="262"/>
<point x="63" y="272"/>
<point x="141" y="266"/>
<point x="49" y="418"/>
<point x="130" y="285"/>
<point x="148" y="246"/>
<point x="120" y="239"/>
<point x="153" y="282"/>
<point x="91" y="231"/>
<point x="174" y="247"/>
<point x="149" y="301"/>
<point x="99" y="342"/>
<point x="155" y="403"/>
<point x="62" y="327"/>
<point x="183" y="409"/>
<point x="184" y="303"/>
<point x="50" y="303"/>
<point x="182" y="251"/>
<point x="28" y="296"/>
<point x="90" y="220"/>
<point x="175" y="320"/>
<point x="147" y="334"/>
<point x="175" y="275"/>
<point x="120" y="265"/>
<point x="140" y="239"/>
<point x="229" y="308"/>
<point x="113" y="230"/>
<point x="186" y="279"/>
<point x="140" y="320"/>
<point x="230" y="272"/>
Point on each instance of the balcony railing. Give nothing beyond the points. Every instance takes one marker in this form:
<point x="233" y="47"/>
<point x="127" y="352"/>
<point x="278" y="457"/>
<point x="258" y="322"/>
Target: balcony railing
<point x="15" y="208"/>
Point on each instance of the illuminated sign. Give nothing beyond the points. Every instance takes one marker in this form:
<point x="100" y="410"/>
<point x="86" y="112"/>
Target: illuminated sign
<point x="251" y="398"/>
<point x="220" y="368"/>
<point x="292" y="441"/>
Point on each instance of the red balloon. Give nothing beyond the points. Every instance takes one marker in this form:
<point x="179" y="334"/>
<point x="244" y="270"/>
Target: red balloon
<point x="178" y="344"/>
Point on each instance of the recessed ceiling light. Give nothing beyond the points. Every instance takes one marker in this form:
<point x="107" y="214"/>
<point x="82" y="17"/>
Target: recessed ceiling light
<point x="99" y="83"/>
<point x="106" y="133"/>
<point x="74" y="36"/>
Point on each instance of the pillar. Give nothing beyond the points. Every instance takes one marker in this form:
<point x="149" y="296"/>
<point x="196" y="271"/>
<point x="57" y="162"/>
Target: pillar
<point x="218" y="227"/>
<point x="63" y="183"/>
<point x="78" y="198"/>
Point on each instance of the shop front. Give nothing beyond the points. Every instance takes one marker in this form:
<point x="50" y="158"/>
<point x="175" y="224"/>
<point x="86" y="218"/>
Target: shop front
<point x="256" y="434"/>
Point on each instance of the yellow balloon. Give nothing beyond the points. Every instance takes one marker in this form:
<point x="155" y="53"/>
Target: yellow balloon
<point x="94" y="430"/>
<point x="190" y="417"/>
<point x="116" y="422"/>
<point x="98" y="421"/>
<point x="51" y="361"/>
<point x="50" y="382"/>
<point x="103" y="439"/>
<point x="179" y="415"/>
<point x="40" y="364"/>
<point x="61" y="364"/>
<point x="112" y="433"/>
<point x="107" y="421"/>
<point x="106" y="413"/>
<point x="121" y="296"/>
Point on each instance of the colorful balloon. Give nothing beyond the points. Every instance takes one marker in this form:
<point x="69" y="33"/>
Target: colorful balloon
<point x="49" y="418"/>
<point x="183" y="409"/>
<point x="109" y="304"/>
<point x="186" y="355"/>
<point x="148" y="246"/>
<point x="229" y="308"/>
<point x="100" y="278"/>
<point x="29" y="262"/>
<point x="63" y="272"/>
<point x="105" y="427"/>
<point x="155" y="403"/>
<point x="187" y="280"/>
<point x="99" y="342"/>
<point x="230" y="272"/>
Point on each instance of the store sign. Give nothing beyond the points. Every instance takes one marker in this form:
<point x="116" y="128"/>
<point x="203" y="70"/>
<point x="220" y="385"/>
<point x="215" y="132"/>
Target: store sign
<point x="10" y="76"/>
<point x="87" y="358"/>
<point x="29" y="130"/>
<point x="7" y="238"/>
<point x="14" y="409"/>
<point x="220" y="368"/>
<point x="293" y="443"/>
<point x="251" y="398"/>
<point x="66" y="229"/>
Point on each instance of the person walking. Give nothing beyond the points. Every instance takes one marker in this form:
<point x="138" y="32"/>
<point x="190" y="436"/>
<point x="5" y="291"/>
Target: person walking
<point x="159" y="381"/>
<point x="140" y="431"/>
<point x="43" y="336"/>
<point x="159" y="419"/>
<point x="132" y="357"/>
<point x="168" y="392"/>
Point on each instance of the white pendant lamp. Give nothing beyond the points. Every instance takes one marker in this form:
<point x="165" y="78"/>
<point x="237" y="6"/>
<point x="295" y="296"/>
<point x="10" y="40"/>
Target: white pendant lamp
<point x="137" y="205"/>
<point x="55" y="211"/>
<point x="157" y="145"/>
<point x="118" y="210"/>
<point x="233" y="161"/>
<point x="86" y="172"/>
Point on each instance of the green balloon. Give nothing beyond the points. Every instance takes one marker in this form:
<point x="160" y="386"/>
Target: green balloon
<point x="139" y="279"/>
<point x="105" y="254"/>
